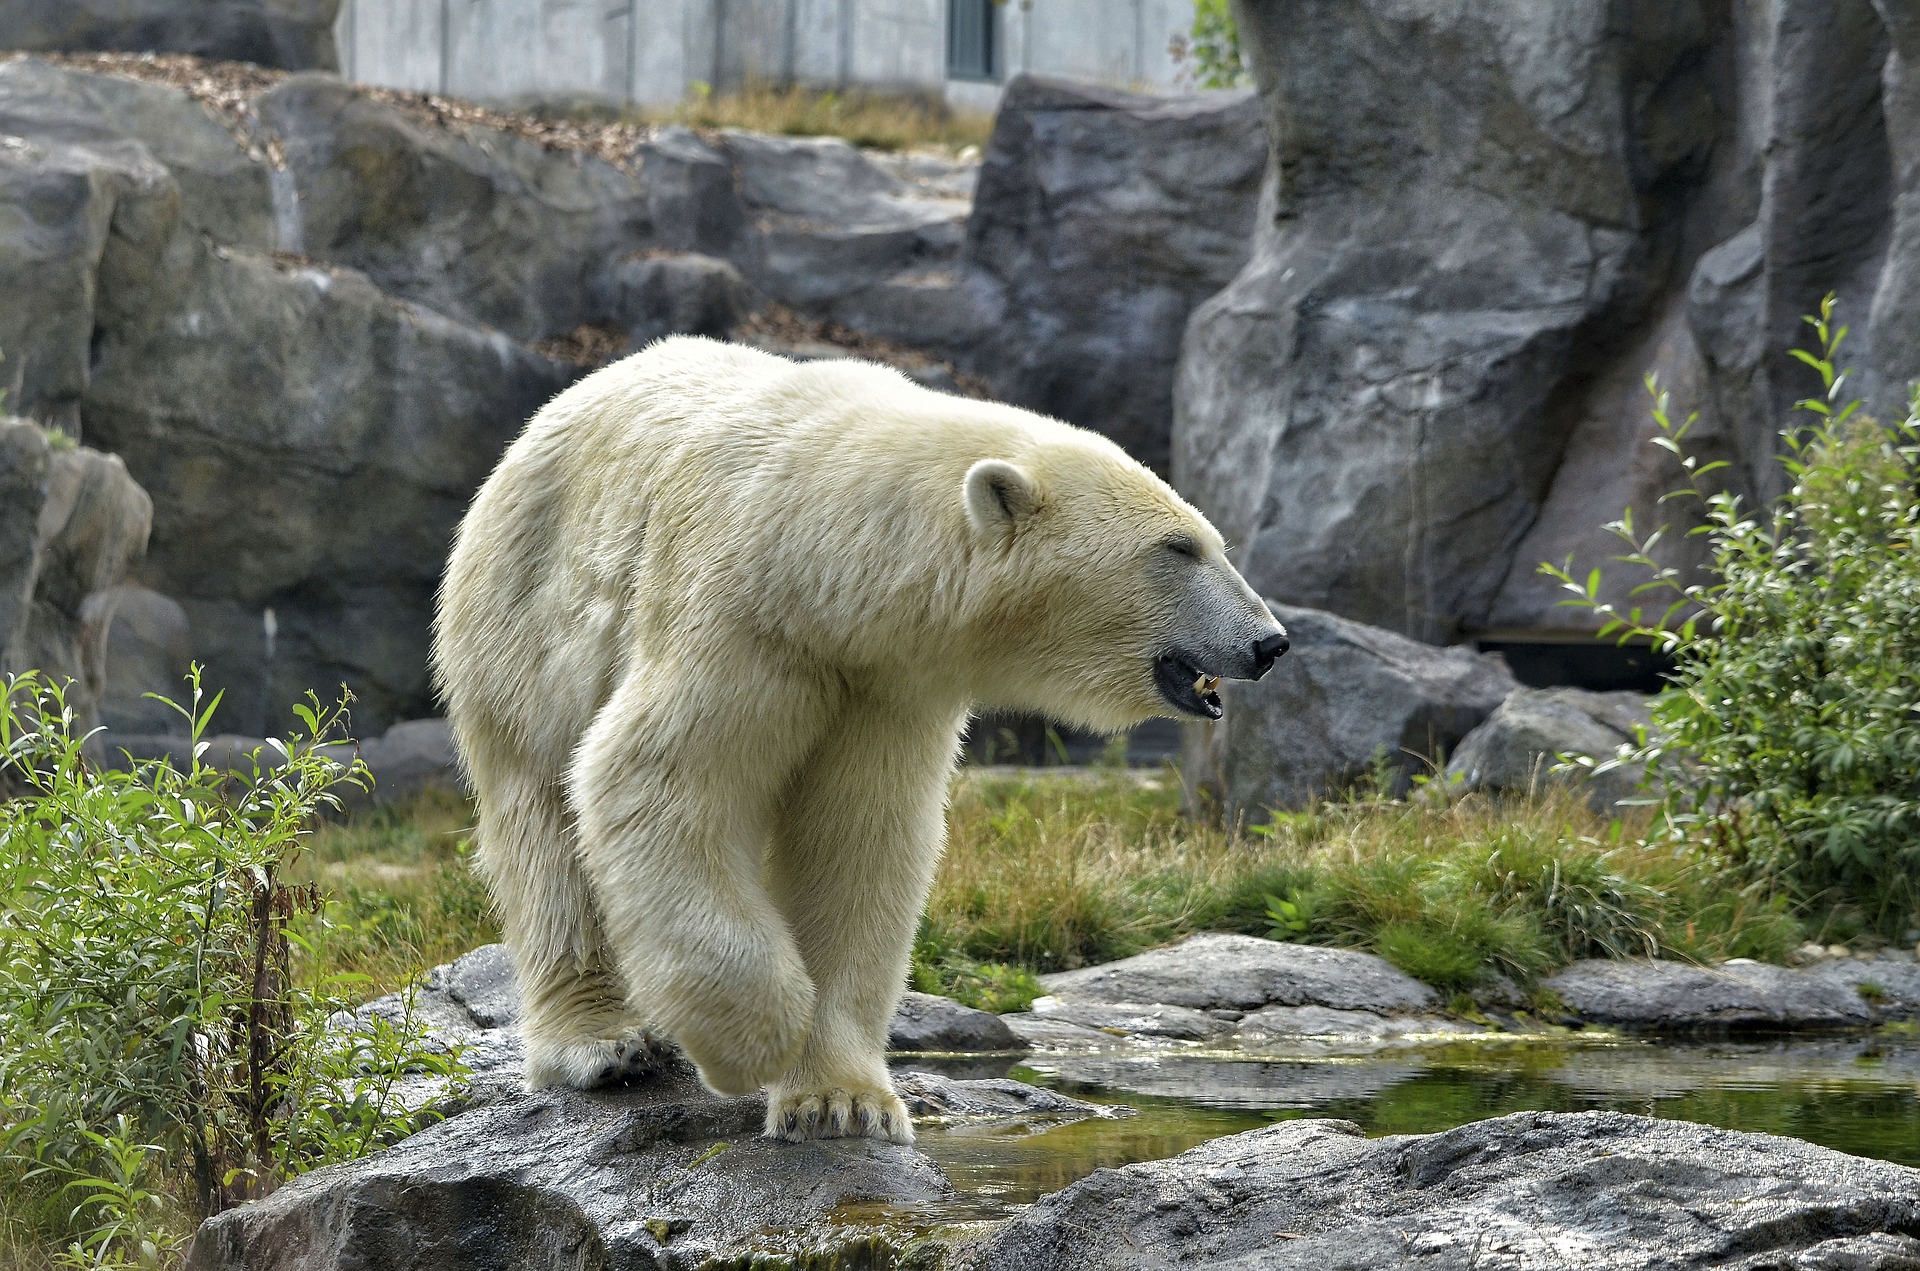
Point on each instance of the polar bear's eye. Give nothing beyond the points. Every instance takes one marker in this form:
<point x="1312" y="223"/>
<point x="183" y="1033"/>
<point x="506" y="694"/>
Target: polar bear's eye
<point x="1181" y="545"/>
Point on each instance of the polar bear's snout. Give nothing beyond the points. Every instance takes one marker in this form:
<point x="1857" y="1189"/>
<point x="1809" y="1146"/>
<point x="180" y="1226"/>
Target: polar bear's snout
<point x="1267" y="651"/>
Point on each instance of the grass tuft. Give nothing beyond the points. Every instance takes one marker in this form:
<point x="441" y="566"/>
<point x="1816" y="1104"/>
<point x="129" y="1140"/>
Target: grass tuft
<point x="882" y="121"/>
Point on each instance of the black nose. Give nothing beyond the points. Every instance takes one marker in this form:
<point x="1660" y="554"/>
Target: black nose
<point x="1267" y="651"/>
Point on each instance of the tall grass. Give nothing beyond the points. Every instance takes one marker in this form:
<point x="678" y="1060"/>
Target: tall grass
<point x="1049" y="871"/>
<point x="883" y="121"/>
<point x="400" y="891"/>
<point x="1052" y="872"/>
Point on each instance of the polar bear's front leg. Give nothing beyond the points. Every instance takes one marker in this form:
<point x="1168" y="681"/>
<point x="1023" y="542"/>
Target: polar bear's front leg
<point x="853" y="857"/>
<point x="673" y="805"/>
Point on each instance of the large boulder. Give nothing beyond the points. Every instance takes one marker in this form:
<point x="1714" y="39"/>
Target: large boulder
<point x="1895" y="317"/>
<point x="58" y="204"/>
<point x="1101" y="219"/>
<point x="149" y="649"/>
<point x="1217" y="971"/>
<point x="661" y="1174"/>
<point x="1519" y="746"/>
<point x="310" y="444"/>
<point x="226" y="185"/>
<point x="1347" y="697"/>
<point x="294" y="34"/>
<point x="79" y="525"/>
<point x="1483" y="228"/>
<point x="1673" y="997"/>
<point x="1535" y="1189"/>
<point x="816" y="226"/>
<point x="483" y="225"/>
<point x="24" y="459"/>
<point x="1460" y="208"/>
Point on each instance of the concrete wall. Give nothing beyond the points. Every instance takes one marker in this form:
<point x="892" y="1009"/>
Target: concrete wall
<point x="653" y="51"/>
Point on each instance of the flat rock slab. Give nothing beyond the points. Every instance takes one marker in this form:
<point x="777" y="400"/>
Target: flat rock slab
<point x="1134" y="1019"/>
<point x="659" y="1175"/>
<point x="1590" y="1190"/>
<point x="1285" y="1022"/>
<point x="1676" y="997"/>
<point x="1245" y="973"/>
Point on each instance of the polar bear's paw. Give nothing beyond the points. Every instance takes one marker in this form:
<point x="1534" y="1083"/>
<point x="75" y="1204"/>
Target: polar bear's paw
<point x="587" y="1063"/>
<point x="838" y="1112"/>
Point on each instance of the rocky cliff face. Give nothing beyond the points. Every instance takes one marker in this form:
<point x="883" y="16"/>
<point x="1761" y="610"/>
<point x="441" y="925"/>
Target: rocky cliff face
<point x="295" y="34"/>
<point x="1481" y="227"/>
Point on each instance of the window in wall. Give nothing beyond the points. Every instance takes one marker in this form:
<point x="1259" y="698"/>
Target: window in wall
<point x="973" y="46"/>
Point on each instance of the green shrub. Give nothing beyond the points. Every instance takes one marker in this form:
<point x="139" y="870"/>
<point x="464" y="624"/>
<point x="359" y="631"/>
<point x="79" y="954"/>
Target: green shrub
<point x="160" y="1056"/>
<point x="1791" y="735"/>
<point x="1213" y="46"/>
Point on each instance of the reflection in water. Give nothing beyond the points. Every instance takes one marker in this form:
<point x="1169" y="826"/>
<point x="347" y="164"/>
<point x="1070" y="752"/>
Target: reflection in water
<point x="1855" y="1094"/>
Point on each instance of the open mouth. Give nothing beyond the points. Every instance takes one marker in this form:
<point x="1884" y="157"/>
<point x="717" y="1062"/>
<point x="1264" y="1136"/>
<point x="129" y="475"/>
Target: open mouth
<point x="1186" y="687"/>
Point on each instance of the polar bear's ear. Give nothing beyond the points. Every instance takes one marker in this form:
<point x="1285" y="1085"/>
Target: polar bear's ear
<point x="1000" y="496"/>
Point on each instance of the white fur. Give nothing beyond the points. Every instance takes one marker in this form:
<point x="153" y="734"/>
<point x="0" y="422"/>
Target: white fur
<point x="707" y="638"/>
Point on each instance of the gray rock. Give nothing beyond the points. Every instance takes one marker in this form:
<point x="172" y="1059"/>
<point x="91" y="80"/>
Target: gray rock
<point x="485" y="226"/>
<point x="1675" y="997"/>
<point x="90" y="529"/>
<point x="1101" y="219"/>
<point x="1890" y="987"/>
<point x="928" y="1023"/>
<point x="1050" y="1034"/>
<point x="318" y="476"/>
<point x="1895" y="318"/>
<point x="824" y="224"/>
<point x="223" y="176"/>
<point x="1136" y="1020"/>
<point x="931" y="1096"/>
<point x="412" y="756"/>
<point x="1535" y="1189"/>
<point x="1518" y="746"/>
<point x="149" y="648"/>
<point x="24" y="459"/>
<point x="294" y="34"/>
<point x="1344" y="694"/>
<point x="660" y="1174"/>
<point x="653" y="294"/>
<point x="58" y="203"/>
<point x="691" y="196"/>
<point x="1285" y="1022"/>
<point x="1246" y="973"/>
<point x="1370" y="409"/>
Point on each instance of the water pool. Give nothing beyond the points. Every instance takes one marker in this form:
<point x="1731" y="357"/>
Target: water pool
<point x="1857" y="1094"/>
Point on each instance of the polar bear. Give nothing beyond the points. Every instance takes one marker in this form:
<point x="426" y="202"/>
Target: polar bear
<point x="707" y="639"/>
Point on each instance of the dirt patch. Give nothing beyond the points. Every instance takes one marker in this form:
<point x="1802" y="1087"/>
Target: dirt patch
<point x="779" y="329"/>
<point x="228" y="89"/>
<point x="586" y="345"/>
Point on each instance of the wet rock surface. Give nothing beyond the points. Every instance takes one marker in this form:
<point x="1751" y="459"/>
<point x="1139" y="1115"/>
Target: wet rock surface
<point x="1533" y="1189"/>
<point x="657" y="1173"/>
<point x="1676" y="997"/>
<point x="1346" y="695"/>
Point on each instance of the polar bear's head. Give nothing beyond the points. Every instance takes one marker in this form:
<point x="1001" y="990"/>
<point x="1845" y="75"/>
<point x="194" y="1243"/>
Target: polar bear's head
<point x="1113" y="597"/>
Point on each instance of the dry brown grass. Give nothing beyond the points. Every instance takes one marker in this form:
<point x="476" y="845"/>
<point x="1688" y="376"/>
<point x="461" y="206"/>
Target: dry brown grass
<point x="882" y="121"/>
